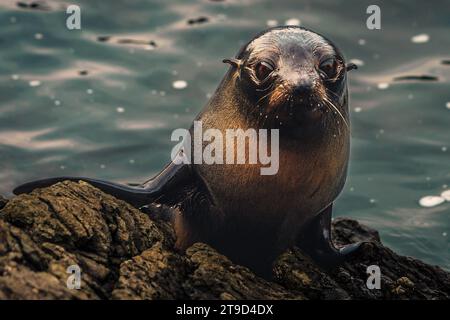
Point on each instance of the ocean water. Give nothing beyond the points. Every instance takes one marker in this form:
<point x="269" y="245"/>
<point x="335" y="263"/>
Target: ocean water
<point x="100" y="101"/>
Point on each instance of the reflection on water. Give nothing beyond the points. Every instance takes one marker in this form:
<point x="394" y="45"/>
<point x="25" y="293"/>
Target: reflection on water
<point x="103" y="101"/>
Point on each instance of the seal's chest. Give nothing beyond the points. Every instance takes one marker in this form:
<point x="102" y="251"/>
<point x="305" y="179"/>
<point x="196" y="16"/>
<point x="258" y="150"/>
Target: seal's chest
<point x="302" y="184"/>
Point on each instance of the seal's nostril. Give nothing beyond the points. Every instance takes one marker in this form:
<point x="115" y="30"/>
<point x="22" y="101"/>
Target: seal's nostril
<point x="303" y="89"/>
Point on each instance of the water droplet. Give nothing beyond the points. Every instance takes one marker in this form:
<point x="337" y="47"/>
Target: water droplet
<point x="89" y="91"/>
<point x="431" y="201"/>
<point x="446" y="195"/>
<point x="35" y="83"/>
<point x="271" y="23"/>
<point x="420" y="38"/>
<point x="120" y="109"/>
<point x="444" y="149"/>
<point x="358" y="109"/>
<point x="57" y="102"/>
<point x="179" y="84"/>
<point x="358" y="62"/>
<point x="383" y="85"/>
<point x="292" y="22"/>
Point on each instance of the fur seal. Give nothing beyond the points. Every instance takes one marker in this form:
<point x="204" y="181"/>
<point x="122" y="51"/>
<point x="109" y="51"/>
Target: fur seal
<point x="289" y="78"/>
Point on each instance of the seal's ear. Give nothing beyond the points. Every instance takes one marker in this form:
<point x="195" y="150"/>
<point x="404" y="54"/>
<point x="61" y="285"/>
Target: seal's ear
<point x="234" y="62"/>
<point x="350" y="66"/>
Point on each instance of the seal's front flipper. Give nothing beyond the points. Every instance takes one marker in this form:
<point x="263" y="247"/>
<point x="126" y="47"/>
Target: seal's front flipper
<point x="315" y="240"/>
<point x="173" y="176"/>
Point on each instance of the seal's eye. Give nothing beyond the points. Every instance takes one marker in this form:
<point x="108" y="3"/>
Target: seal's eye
<point x="262" y="70"/>
<point x="328" y="68"/>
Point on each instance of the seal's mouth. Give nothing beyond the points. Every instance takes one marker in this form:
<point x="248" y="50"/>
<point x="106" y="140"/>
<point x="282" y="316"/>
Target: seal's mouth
<point x="285" y="105"/>
<point x="305" y="103"/>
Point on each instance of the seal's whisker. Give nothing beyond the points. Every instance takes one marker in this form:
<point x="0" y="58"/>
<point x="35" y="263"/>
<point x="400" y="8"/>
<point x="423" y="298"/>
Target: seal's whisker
<point x="337" y="111"/>
<point x="263" y="97"/>
<point x="333" y="93"/>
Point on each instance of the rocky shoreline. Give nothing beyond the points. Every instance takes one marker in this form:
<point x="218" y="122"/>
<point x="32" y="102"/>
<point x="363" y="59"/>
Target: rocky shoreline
<point x="124" y="253"/>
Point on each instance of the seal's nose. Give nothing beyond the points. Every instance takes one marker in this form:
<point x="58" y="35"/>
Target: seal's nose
<point x="300" y="82"/>
<point x="303" y="86"/>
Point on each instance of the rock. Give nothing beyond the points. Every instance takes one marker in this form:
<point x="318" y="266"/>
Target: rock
<point x="3" y="202"/>
<point x="124" y="253"/>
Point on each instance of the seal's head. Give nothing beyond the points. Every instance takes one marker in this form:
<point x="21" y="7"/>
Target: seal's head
<point x="293" y="78"/>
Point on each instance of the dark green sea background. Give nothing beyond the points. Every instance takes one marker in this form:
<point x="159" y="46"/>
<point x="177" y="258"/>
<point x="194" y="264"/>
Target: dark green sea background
<point x="73" y="105"/>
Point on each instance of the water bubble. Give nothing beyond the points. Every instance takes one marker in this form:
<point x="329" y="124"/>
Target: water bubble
<point x="444" y="149"/>
<point x="179" y="84"/>
<point x="57" y="102"/>
<point x="38" y="36"/>
<point x="444" y="234"/>
<point x="431" y="201"/>
<point x="357" y="109"/>
<point x="420" y="38"/>
<point x="447" y="105"/>
<point x="131" y="161"/>
<point x="120" y="109"/>
<point x="102" y="166"/>
<point x="89" y="91"/>
<point x="372" y="200"/>
<point x="292" y="22"/>
<point x="35" y="83"/>
<point x="15" y="77"/>
<point x="361" y="42"/>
